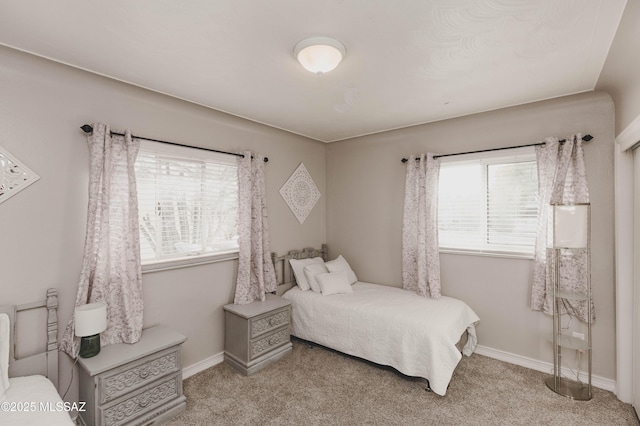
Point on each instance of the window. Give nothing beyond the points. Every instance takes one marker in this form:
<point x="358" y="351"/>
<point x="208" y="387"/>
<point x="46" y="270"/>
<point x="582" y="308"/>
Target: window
<point x="488" y="204"/>
<point x="187" y="205"/>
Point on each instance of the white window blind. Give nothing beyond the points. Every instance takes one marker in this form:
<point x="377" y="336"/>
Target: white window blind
<point x="187" y="203"/>
<point x="488" y="204"/>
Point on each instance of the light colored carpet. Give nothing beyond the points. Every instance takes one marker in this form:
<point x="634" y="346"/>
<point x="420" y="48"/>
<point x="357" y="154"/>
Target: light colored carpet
<point x="317" y="386"/>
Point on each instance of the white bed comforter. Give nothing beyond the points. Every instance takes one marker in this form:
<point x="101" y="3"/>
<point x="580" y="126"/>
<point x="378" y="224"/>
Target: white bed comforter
<point x="389" y="326"/>
<point x="33" y="401"/>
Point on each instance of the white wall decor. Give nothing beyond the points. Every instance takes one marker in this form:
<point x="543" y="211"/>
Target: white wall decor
<point x="300" y="193"/>
<point x="14" y="176"/>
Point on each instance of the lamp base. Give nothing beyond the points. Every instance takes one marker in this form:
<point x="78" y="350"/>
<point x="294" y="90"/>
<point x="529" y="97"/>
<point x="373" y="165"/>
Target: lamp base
<point x="569" y="388"/>
<point x="90" y="346"/>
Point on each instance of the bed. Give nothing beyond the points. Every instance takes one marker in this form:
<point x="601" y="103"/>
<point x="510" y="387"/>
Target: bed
<point x="418" y="336"/>
<point x="31" y="397"/>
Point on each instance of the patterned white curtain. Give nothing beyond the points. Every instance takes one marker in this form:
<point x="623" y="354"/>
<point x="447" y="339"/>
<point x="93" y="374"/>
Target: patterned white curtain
<point x="111" y="270"/>
<point x="420" y="255"/>
<point x="256" y="273"/>
<point x="562" y="179"/>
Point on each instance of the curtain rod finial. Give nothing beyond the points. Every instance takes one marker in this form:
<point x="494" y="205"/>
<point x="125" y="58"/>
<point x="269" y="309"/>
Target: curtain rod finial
<point x="86" y="128"/>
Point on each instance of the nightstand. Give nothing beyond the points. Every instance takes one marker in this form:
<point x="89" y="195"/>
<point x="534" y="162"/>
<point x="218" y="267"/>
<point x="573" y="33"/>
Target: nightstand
<point x="257" y="334"/>
<point x="138" y="383"/>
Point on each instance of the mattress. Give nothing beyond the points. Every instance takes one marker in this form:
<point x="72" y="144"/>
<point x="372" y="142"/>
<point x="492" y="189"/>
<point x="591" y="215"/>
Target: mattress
<point x="33" y="401"/>
<point x="389" y="326"/>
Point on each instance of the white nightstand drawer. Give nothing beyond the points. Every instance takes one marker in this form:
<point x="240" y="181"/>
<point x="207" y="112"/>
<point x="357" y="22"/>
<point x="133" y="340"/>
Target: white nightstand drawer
<point x="144" y="400"/>
<point x="269" y="342"/>
<point x="121" y="381"/>
<point x="265" y="324"/>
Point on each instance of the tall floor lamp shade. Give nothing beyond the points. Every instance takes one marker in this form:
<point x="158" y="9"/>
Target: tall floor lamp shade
<point x="570" y="226"/>
<point x="90" y="321"/>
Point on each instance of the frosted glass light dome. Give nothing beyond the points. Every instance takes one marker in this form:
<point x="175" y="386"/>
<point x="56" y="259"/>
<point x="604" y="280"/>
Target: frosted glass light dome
<point x="319" y="54"/>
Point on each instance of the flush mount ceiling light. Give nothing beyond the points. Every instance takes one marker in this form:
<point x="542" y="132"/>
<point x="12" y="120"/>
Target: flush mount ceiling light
<point x="319" y="54"/>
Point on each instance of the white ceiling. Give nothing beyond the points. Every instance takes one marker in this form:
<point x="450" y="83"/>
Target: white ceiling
<point x="408" y="61"/>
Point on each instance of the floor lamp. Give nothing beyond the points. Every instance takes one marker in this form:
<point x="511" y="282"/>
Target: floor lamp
<point x="570" y="234"/>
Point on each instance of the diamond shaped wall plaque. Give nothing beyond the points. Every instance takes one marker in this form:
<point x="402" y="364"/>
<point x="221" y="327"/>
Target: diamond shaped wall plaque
<point x="14" y="176"/>
<point x="300" y="193"/>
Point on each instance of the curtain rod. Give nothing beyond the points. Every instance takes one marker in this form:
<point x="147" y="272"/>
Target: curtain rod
<point x="585" y="138"/>
<point x="88" y="129"/>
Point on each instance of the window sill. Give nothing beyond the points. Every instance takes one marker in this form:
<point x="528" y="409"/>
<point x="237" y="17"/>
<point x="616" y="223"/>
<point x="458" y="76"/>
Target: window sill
<point x="188" y="261"/>
<point x="506" y="255"/>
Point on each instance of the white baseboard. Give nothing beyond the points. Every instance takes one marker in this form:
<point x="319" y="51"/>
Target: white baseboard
<point x="202" y="365"/>
<point x="545" y="367"/>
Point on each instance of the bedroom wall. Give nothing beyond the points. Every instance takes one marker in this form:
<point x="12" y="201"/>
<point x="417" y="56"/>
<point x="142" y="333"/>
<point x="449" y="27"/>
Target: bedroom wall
<point x="620" y="77"/>
<point x="365" y="186"/>
<point x="42" y="228"/>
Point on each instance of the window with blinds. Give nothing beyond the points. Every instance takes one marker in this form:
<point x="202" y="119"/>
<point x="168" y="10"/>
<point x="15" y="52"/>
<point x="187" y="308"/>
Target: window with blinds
<point x="187" y="204"/>
<point x="489" y="204"/>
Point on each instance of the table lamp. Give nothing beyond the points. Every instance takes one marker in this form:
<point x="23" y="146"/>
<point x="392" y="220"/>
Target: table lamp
<point x="90" y="321"/>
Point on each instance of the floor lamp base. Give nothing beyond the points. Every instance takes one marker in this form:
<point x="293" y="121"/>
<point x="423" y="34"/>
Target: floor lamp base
<point x="569" y="388"/>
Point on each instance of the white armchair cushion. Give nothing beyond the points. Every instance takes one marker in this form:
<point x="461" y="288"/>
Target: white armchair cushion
<point x="4" y="353"/>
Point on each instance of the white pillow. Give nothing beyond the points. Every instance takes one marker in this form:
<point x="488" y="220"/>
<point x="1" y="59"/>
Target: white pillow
<point x="298" y="270"/>
<point x="4" y="353"/>
<point x="334" y="283"/>
<point x="311" y="272"/>
<point x="340" y="264"/>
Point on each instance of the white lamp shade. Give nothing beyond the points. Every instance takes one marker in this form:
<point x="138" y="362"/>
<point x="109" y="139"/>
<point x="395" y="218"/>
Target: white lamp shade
<point x="570" y="223"/>
<point x="319" y="54"/>
<point x="90" y="319"/>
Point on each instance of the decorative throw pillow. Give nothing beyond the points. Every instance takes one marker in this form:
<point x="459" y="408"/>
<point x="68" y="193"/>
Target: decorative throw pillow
<point x="334" y="283"/>
<point x="4" y="353"/>
<point x="311" y="272"/>
<point x="298" y="270"/>
<point x="340" y="264"/>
